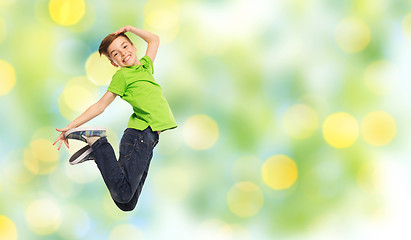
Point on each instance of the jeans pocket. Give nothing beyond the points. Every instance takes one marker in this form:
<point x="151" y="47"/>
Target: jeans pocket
<point x="126" y="149"/>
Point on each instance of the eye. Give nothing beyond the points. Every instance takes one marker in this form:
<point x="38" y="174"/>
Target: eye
<point x="125" y="46"/>
<point x="115" y="54"/>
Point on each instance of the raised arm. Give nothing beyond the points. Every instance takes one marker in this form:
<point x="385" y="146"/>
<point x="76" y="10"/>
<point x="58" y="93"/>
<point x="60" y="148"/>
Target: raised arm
<point x="92" y="112"/>
<point x="153" y="41"/>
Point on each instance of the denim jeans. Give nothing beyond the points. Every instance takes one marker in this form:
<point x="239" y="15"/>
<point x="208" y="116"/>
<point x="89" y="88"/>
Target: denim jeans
<point x="125" y="178"/>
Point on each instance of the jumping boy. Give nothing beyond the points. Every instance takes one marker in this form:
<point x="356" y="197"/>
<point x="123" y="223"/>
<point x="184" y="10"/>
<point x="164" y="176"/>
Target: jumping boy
<point x="135" y="84"/>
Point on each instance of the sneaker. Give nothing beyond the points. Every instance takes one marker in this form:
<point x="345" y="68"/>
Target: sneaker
<point x="82" y="155"/>
<point x="82" y="133"/>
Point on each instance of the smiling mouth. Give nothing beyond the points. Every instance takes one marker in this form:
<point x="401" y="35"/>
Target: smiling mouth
<point x="127" y="58"/>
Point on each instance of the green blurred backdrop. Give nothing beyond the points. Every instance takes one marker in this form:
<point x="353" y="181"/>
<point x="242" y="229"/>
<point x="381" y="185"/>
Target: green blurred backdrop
<point x="292" y="119"/>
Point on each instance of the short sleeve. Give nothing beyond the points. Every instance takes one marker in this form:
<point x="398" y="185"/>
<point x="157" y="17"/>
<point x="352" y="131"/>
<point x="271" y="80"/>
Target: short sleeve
<point x="147" y="63"/>
<point x="118" y="84"/>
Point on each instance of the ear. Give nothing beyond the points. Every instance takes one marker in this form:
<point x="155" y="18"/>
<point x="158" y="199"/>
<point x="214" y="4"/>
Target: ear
<point x="113" y="63"/>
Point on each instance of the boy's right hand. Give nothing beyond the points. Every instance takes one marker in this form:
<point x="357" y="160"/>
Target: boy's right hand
<point x="123" y="29"/>
<point x="61" y="138"/>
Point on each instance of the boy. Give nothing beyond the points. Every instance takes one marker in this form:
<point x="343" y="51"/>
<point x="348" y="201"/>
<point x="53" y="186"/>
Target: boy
<point x="134" y="83"/>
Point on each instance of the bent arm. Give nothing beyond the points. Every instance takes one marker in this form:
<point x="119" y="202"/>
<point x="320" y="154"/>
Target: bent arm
<point x="152" y="40"/>
<point x="94" y="110"/>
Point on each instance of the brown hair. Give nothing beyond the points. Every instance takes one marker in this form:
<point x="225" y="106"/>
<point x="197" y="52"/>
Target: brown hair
<point x="108" y="40"/>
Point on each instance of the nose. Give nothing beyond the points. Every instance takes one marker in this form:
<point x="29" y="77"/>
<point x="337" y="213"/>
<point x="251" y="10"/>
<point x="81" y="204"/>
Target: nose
<point x="122" y="52"/>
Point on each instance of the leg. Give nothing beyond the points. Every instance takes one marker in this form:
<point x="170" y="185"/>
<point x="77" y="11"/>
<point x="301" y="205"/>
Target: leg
<point x="124" y="178"/>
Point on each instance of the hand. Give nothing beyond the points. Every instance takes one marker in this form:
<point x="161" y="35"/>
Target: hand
<point x="123" y="29"/>
<point x="61" y="138"/>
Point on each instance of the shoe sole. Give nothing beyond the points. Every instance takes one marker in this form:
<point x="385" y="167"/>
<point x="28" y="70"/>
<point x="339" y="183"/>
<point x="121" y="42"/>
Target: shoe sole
<point x="82" y="129"/>
<point x="80" y="155"/>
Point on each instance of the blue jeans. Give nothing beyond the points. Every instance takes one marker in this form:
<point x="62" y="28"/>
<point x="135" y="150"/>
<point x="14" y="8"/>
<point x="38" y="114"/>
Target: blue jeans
<point x="125" y="178"/>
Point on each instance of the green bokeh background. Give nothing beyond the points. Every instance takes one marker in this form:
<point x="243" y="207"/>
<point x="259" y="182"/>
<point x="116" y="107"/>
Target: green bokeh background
<point x="241" y="63"/>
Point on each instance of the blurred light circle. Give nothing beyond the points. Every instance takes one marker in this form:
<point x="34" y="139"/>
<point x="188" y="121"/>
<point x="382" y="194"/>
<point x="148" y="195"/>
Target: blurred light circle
<point x="279" y="172"/>
<point x="378" y="128"/>
<point x="380" y="77"/>
<point x="163" y="21"/>
<point x="340" y="130"/>
<point x="352" y="35"/>
<point x="62" y="185"/>
<point x="41" y="157"/>
<point x="99" y="69"/>
<point x="406" y="26"/>
<point x="300" y="121"/>
<point x="77" y="96"/>
<point x="7" y="77"/>
<point x="6" y="2"/>
<point x="67" y="12"/>
<point x="3" y="30"/>
<point x="8" y="230"/>
<point x="214" y="229"/>
<point x="200" y="132"/>
<point x="162" y="17"/>
<point x="125" y="231"/>
<point x="43" y="216"/>
<point x="245" y="199"/>
<point x="82" y="173"/>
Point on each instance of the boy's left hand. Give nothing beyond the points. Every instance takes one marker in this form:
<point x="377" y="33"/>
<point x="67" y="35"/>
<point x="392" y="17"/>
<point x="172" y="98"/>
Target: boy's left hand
<point x="123" y="29"/>
<point x="61" y="138"/>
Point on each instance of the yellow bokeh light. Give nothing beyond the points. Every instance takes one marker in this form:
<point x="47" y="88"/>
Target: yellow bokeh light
<point x="200" y="132"/>
<point x="7" y="77"/>
<point x="245" y="199"/>
<point x="82" y="173"/>
<point x="164" y="22"/>
<point x="77" y="96"/>
<point x="378" y="128"/>
<point x="8" y="230"/>
<point x="162" y="17"/>
<point x="406" y="26"/>
<point x="279" y="172"/>
<point x="67" y="12"/>
<point x="352" y="35"/>
<point x="125" y="231"/>
<point x="340" y="130"/>
<point x="300" y="121"/>
<point x="43" y="216"/>
<point x="99" y="69"/>
<point x="380" y="77"/>
<point x="41" y="157"/>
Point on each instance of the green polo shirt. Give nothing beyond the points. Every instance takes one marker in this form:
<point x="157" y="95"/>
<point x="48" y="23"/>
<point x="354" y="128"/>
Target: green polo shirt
<point x="136" y="85"/>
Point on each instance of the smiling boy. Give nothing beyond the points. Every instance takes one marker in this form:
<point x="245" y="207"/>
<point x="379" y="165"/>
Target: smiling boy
<point x="134" y="83"/>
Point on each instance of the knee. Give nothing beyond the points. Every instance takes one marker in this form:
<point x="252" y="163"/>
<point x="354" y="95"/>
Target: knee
<point x="122" y="198"/>
<point x="126" y="208"/>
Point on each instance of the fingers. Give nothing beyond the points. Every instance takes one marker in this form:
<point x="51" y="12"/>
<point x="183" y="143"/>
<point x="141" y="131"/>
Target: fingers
<point x="59" y="145"/>
<point x="121" y="30"/>
<point x="67" y="143"/>
<point x="62" y="129"/>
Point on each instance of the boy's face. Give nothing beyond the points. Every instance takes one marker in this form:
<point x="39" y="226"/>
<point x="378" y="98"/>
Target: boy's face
<point x="122" y="53"/>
